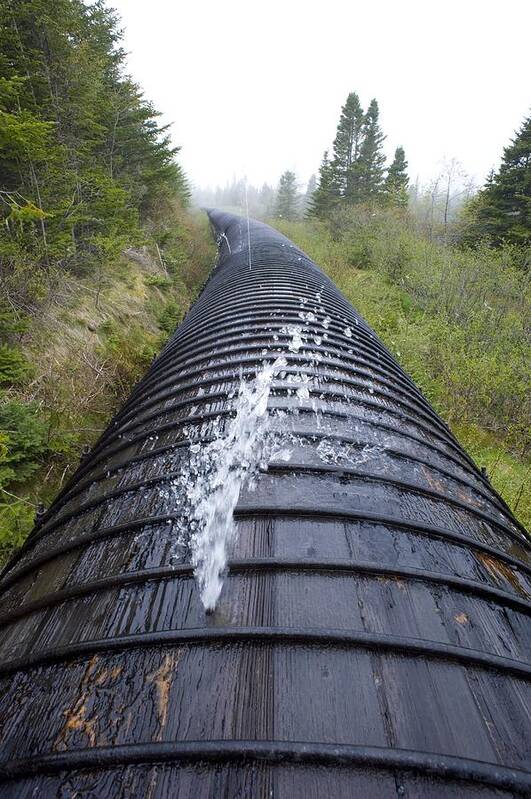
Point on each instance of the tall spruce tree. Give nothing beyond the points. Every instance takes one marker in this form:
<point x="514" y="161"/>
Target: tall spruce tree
<point x="286" y="206"/>
<point x="502" y="210"/>
<point x="368" y="169"/>
<point x="397" y="180"/>
<point x="347" y="146"/>
<point x="308" y="194"/>
<point x="92" y="159"/>
<point x="323" y="198"/>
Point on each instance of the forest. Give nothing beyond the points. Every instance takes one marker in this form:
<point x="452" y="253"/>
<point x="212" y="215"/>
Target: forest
<point x="102" y="251"/>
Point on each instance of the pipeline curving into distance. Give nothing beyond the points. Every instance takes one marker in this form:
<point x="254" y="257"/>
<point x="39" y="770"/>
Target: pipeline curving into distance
<point x="277" y="574"/>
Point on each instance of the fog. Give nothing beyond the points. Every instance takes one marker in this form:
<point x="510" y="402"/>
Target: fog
<point x="256" y="88"/>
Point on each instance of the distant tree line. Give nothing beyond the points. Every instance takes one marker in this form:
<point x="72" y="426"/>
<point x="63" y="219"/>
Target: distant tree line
<point x="355" y="172"/>
<point x="286" y="201"/>
<point x="237" y="196"/>
<point x="84" y="163"/>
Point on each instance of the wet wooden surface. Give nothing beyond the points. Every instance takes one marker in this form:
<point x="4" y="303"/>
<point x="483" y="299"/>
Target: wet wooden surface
<point x="372" y="636"/>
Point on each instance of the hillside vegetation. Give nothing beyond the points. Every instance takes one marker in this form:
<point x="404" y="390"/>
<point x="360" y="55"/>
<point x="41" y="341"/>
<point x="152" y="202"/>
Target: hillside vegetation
<point x="98" y="257"/>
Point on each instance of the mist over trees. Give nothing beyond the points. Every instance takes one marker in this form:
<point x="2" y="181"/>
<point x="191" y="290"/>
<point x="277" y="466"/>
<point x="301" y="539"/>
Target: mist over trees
<point x="310" y="189"/>
<point x="238" y="196"/>
<point x="285" y="201"/>
<point x="354" y="173"/>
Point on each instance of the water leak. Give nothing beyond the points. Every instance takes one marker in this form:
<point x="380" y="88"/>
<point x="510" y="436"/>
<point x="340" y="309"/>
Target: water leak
<point x="208" y="488"/>
<point x="216" y="473"/>
<point x="338" y="453"/>
<point x="297" y="338"/>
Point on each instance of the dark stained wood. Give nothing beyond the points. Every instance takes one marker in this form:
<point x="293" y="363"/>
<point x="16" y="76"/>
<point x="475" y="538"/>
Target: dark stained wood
<point x="372" y="635"/>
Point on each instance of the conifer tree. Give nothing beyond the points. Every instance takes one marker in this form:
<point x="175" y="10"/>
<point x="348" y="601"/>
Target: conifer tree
<point x="323" y="198"/>
<point x="502" y="210"/>
<point x="287" y="201"/>
<point x="266" y="200"/>
<point x="311" y="185"/>
<point x="368" y="169"/>
<point x="347" y="146"/>
<point x="82" y="158"/>
<point x="310" y="191"/>
<point x="397" y="180"/>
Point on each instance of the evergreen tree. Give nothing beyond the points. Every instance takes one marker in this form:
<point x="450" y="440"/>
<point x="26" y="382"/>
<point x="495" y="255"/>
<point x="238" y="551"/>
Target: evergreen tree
<point x="323" y="198"/>
<point x="502" y="210"/>
<point x="347" y="146"/>
<point x="397" y="180"/>
<point x="83" y="158"/>
<point x="311" y="185"/>
<point x="368" y="169"/>
<point x="266" y="200"/>
<point x="310" y="190"/>
<point x="286" y="206"/>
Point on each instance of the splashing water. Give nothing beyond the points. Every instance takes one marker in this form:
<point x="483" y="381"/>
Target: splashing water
<point x="223" y="236"/>
<point x="208" y="487"/>
<point x="221" y="468"/>
<point x="297" y="337"/>
<point x="333" y="452"/>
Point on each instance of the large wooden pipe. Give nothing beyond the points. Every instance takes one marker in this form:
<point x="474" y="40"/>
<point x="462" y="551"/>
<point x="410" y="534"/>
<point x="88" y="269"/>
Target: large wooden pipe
<point x="370" y="636"/>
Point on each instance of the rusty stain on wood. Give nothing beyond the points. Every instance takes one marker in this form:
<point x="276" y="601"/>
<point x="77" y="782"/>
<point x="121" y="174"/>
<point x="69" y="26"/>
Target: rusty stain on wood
<point x="500" y="571"/>
<point x="76" y="719"/>
<point x="162" y="678"/>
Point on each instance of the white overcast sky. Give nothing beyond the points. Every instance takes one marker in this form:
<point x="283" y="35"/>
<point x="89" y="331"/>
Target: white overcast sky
<point x="254" y="88"/>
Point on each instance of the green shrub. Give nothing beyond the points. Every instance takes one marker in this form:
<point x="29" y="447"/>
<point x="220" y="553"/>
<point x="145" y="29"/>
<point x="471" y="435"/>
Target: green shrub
<point x="160" y="281"/>
<point x="11" y="323"/>
<point x="170" y="317"/>
<point x="16" y="520"/>
<point x="129" y="353"/>
<point x="24" y="441"/>
<point x="14" y="366"/>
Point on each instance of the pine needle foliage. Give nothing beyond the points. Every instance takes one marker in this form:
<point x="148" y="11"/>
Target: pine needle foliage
<point x="356" y="174"/>
<point x="84" y="162"/>
<point x="501" y="212"/>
